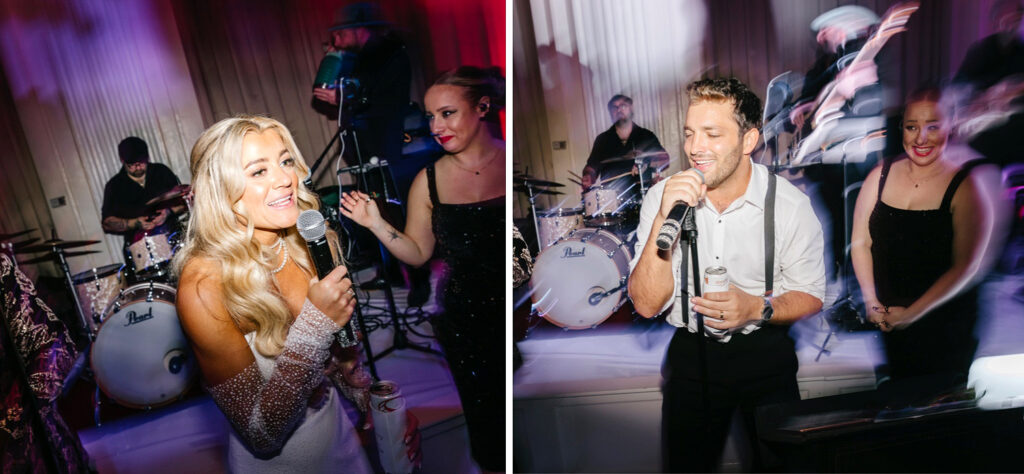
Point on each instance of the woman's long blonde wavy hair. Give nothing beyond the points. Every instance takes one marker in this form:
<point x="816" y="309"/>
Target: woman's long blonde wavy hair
<point x="220" y="229"/>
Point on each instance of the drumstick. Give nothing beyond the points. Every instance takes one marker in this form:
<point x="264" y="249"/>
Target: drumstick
<point x="574" y="175"/>
<point x="623" y="175"/>
<point x="574" y="181"/>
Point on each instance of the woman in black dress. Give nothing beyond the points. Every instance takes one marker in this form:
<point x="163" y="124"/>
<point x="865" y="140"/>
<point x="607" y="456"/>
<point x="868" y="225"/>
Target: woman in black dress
<point x="458" y="206"/>
<point x="919" y="229"/>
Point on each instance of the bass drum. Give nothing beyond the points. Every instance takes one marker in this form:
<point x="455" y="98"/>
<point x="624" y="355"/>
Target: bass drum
<point x="141" y="357"/>
<point x="580" y="281"/>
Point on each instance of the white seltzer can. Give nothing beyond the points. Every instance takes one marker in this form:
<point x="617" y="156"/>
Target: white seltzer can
<point x="716" y="279"/>
<point x="389" y="424"/>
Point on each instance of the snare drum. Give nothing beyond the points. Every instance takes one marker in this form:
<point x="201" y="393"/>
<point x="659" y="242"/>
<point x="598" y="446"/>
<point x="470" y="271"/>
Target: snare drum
<point x="150" y="255"/>
<point x="141" y="357"/>
<point x="557" y="223"/>
<point x="96" y="288"/>
<point x="580" y="281"/>
<point x="602" y="201"/>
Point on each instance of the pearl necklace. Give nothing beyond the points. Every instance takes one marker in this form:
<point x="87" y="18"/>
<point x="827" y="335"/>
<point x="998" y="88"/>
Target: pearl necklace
<point x="283" y="250"/>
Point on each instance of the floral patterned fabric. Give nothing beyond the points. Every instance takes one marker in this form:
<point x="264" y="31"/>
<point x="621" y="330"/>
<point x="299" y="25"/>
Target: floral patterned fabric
<point x="522" y="262"/>
<point x="43" y="342"/>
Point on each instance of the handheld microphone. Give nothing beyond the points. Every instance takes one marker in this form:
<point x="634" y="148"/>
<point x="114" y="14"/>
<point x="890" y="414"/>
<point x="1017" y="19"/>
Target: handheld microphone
<point x="674" y="222"/>
<point x="313" y="228"/>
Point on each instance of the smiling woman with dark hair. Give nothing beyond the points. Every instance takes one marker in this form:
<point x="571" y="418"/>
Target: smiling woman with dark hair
<point x="918" y="230"/>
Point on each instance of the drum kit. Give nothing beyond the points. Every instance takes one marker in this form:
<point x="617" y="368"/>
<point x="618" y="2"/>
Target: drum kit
<point x="137" y="352"/>
<point x="579" y="275"/>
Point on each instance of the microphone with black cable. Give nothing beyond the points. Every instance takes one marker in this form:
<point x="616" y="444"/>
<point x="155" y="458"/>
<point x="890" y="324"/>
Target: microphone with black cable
<point x="674" y="222"/>
<point x="313" y="228"/>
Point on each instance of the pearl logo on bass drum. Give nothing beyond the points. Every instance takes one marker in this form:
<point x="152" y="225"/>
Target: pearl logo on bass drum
<point x="135" y="318"/>
<point x="570" y="253"/>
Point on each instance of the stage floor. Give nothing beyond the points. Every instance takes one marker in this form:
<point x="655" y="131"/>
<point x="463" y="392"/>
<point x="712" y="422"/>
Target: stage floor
<point x="590" y="400"/>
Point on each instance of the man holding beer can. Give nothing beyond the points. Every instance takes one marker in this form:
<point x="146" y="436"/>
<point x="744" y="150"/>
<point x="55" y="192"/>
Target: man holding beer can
<point x="750" y="357"/>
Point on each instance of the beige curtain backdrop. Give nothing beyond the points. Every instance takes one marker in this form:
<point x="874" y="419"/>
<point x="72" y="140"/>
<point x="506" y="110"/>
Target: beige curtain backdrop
<point x="82" y="76"/>
<point x="570" y="57"/>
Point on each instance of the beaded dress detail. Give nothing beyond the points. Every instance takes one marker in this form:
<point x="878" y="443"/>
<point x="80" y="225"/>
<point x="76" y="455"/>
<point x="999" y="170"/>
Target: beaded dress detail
<point x="286" y="416"/>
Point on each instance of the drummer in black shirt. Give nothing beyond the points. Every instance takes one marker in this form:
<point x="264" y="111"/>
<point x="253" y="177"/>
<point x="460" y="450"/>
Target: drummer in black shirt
<point x="623" y="142"/>
<point x="612" y="163"/>
<point x="124" y="197"/>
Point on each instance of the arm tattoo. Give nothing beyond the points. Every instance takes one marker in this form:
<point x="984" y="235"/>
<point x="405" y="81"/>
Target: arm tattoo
<point x="393" y="233"/>
<point x="117" y="224"/>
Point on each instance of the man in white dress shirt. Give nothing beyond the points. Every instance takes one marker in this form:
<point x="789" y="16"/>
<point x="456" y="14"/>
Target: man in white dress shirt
<point x="751" y="360"/>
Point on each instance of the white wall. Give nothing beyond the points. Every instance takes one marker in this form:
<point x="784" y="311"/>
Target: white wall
<point x="83" y="76"/>
<point x="571" y="56"/>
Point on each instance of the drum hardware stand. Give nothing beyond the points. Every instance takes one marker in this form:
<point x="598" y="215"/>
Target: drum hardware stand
<point x="844" y="304"/>
<point x="62" y="261"/>
<point x="533" y="212"/>
<point x="51" y="458"/>
<point x="90" y="338"/>
<point x="77" y="368"/>
<point x="595" y="298"/>
<point x="638" y="161"/>
<point x="401" y="340"/>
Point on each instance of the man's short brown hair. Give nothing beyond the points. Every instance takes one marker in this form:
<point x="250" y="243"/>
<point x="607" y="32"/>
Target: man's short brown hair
<point x="746" y="104"/>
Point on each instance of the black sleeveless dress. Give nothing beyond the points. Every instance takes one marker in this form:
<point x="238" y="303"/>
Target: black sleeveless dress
<point x="471" y="242"/>
<point x="910" y="250"/>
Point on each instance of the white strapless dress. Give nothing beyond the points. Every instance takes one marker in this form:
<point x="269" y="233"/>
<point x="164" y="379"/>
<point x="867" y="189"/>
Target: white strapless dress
<point x="324" y="440"/>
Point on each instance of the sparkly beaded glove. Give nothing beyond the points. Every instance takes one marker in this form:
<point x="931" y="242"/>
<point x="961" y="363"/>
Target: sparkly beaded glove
<point x="265" y="411"/>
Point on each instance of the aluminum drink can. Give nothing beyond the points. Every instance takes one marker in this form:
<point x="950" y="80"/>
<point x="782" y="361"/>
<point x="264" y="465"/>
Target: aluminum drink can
<point x="716" y="279"/>
<point x="389" y="424"/>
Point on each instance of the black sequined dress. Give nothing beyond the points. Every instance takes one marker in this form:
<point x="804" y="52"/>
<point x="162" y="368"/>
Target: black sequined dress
<point x="471" y="241"/>
<point x="910" y="250"/>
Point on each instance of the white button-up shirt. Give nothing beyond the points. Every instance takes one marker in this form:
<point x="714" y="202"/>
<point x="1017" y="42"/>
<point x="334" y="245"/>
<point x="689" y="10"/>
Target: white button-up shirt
<point x="734" y="239"/>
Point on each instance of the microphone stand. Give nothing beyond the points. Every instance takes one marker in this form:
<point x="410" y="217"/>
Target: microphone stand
<point x="401" y="341"/>
<point x="689" y="236"/>
<point x="370" y="358"/>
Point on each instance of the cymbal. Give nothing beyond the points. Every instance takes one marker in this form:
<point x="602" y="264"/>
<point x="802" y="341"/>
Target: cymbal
<point x="15" y="234"/>
<point x="176" y="192"/>
<point x="51" y="256"/>
<point x="52" y="244"/>
<point x="23" y="243"/>
<point x="524" y="189"/>
<point x="630" y="157"/>
<point x="531" y="181"/>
